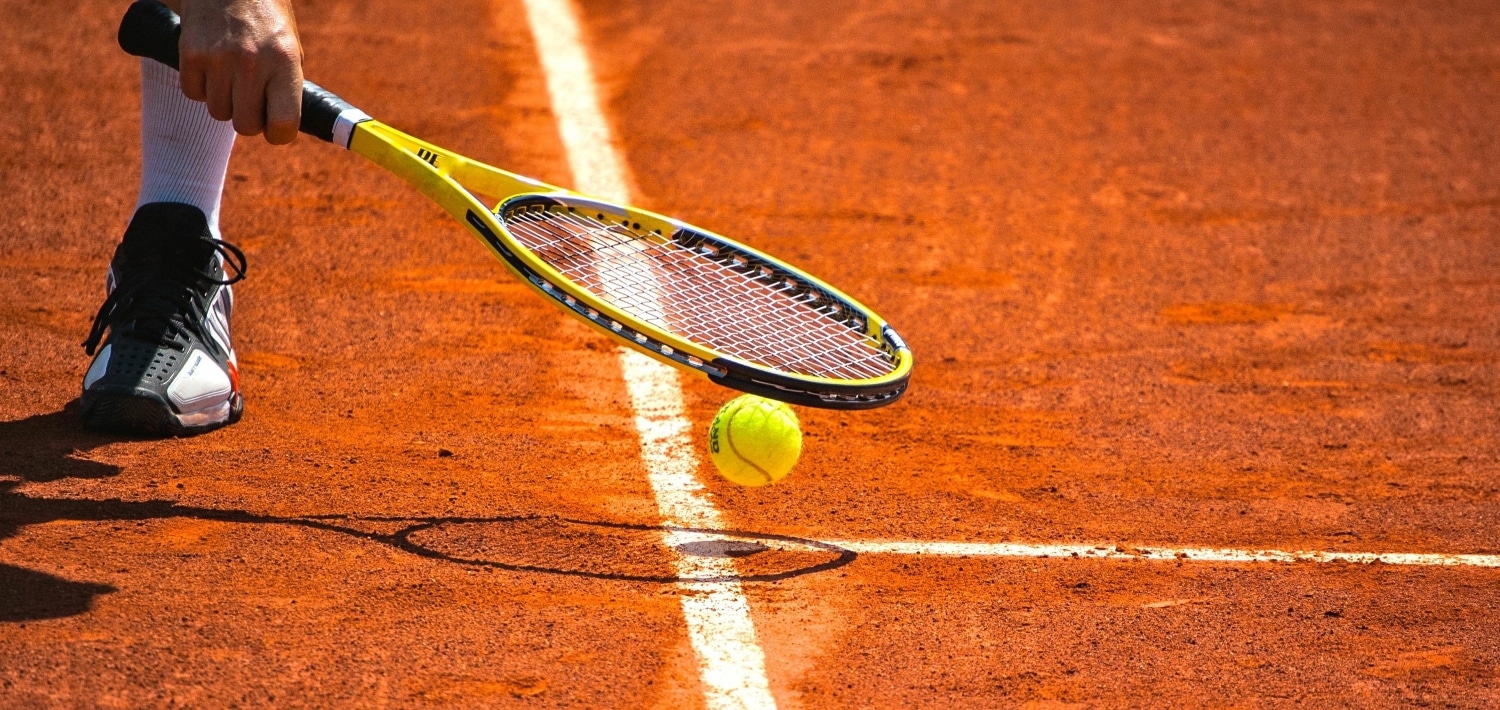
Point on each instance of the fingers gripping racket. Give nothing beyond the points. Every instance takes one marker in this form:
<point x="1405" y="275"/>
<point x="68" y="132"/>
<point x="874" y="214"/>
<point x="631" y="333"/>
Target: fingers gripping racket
<point x="683" y="295"/>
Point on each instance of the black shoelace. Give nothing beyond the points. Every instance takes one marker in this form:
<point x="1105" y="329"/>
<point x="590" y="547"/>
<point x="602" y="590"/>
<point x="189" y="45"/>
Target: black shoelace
<point x="164" y="296"/>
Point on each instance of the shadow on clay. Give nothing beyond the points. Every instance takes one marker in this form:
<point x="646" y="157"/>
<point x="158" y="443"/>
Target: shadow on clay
<point x="45" y="447"/>
<point x="40" y="449"/>
<point x="28" y="595"/>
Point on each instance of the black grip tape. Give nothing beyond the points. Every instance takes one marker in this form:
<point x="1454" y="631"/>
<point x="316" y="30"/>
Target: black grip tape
<point x="150" y="29"/>
<point x="320" y="110"/>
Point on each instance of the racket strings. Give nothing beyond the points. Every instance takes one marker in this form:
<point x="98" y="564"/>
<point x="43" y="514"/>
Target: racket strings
<point x="639" y="292"/>
<point x="705" y="294"/>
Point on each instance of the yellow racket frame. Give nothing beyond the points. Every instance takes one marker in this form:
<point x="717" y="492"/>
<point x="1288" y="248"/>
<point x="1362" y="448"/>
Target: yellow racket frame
<point x="151" y="29"/>
<point x="455" y="181"/>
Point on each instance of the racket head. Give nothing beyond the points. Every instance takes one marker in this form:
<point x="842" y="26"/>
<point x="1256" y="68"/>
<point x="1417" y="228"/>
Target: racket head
<point x="678" y="293"/>
<point x="703" y="302"/>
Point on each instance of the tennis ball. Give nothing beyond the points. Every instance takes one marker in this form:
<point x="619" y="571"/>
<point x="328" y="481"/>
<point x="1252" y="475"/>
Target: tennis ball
<point x="754" y="441"/>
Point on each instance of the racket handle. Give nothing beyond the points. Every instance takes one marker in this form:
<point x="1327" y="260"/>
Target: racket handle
<point x="150" y="29"/>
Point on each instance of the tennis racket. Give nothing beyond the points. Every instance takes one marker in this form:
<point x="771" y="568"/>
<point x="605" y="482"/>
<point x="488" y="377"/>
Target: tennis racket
<point x="683" y="295"/>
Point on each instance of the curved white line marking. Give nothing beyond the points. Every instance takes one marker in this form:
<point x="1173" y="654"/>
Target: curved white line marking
<point x="731" y="662"/>
<point x="597" y="167"/>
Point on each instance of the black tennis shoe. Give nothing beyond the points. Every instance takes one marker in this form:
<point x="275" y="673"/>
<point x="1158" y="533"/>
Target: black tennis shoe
<point x="167" y="367"/>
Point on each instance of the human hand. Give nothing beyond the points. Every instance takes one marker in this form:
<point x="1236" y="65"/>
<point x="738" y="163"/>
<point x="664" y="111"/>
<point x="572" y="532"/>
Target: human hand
<point x="243" y="59"/>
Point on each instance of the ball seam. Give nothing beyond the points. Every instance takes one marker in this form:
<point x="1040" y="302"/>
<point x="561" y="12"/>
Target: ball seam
<point x="729" y="437"/>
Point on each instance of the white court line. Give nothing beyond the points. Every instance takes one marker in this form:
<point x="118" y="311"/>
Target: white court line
<point x="1195" y="554"/>
<point x="732" y="665"/>
<point x="731" y="662"/>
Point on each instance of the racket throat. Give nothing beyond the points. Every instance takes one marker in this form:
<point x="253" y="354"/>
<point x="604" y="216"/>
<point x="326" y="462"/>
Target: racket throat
<point x="344" y="124"/>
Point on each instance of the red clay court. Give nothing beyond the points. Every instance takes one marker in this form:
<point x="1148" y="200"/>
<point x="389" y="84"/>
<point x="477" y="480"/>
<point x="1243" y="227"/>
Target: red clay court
<point x="1204" y="297"/>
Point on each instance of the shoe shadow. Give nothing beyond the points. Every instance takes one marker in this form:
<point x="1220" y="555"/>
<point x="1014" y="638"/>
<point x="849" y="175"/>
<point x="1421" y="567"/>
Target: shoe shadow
<point x="28" y="595"/>
<point x="44" y="447"/>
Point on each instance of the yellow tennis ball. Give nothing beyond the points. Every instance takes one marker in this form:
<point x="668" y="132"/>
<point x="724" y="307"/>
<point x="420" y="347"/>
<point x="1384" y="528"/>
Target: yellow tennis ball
<point x="754" y="441"/>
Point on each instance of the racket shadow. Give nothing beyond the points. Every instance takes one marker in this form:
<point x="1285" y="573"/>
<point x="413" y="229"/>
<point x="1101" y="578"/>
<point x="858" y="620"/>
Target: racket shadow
<point x="593" y="549"/>
<point x="533" y="543"/>
<point x="45" y="448"/>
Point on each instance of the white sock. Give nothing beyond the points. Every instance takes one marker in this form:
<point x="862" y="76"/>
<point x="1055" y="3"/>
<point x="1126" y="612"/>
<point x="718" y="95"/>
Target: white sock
<point x="184" y="151"/>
